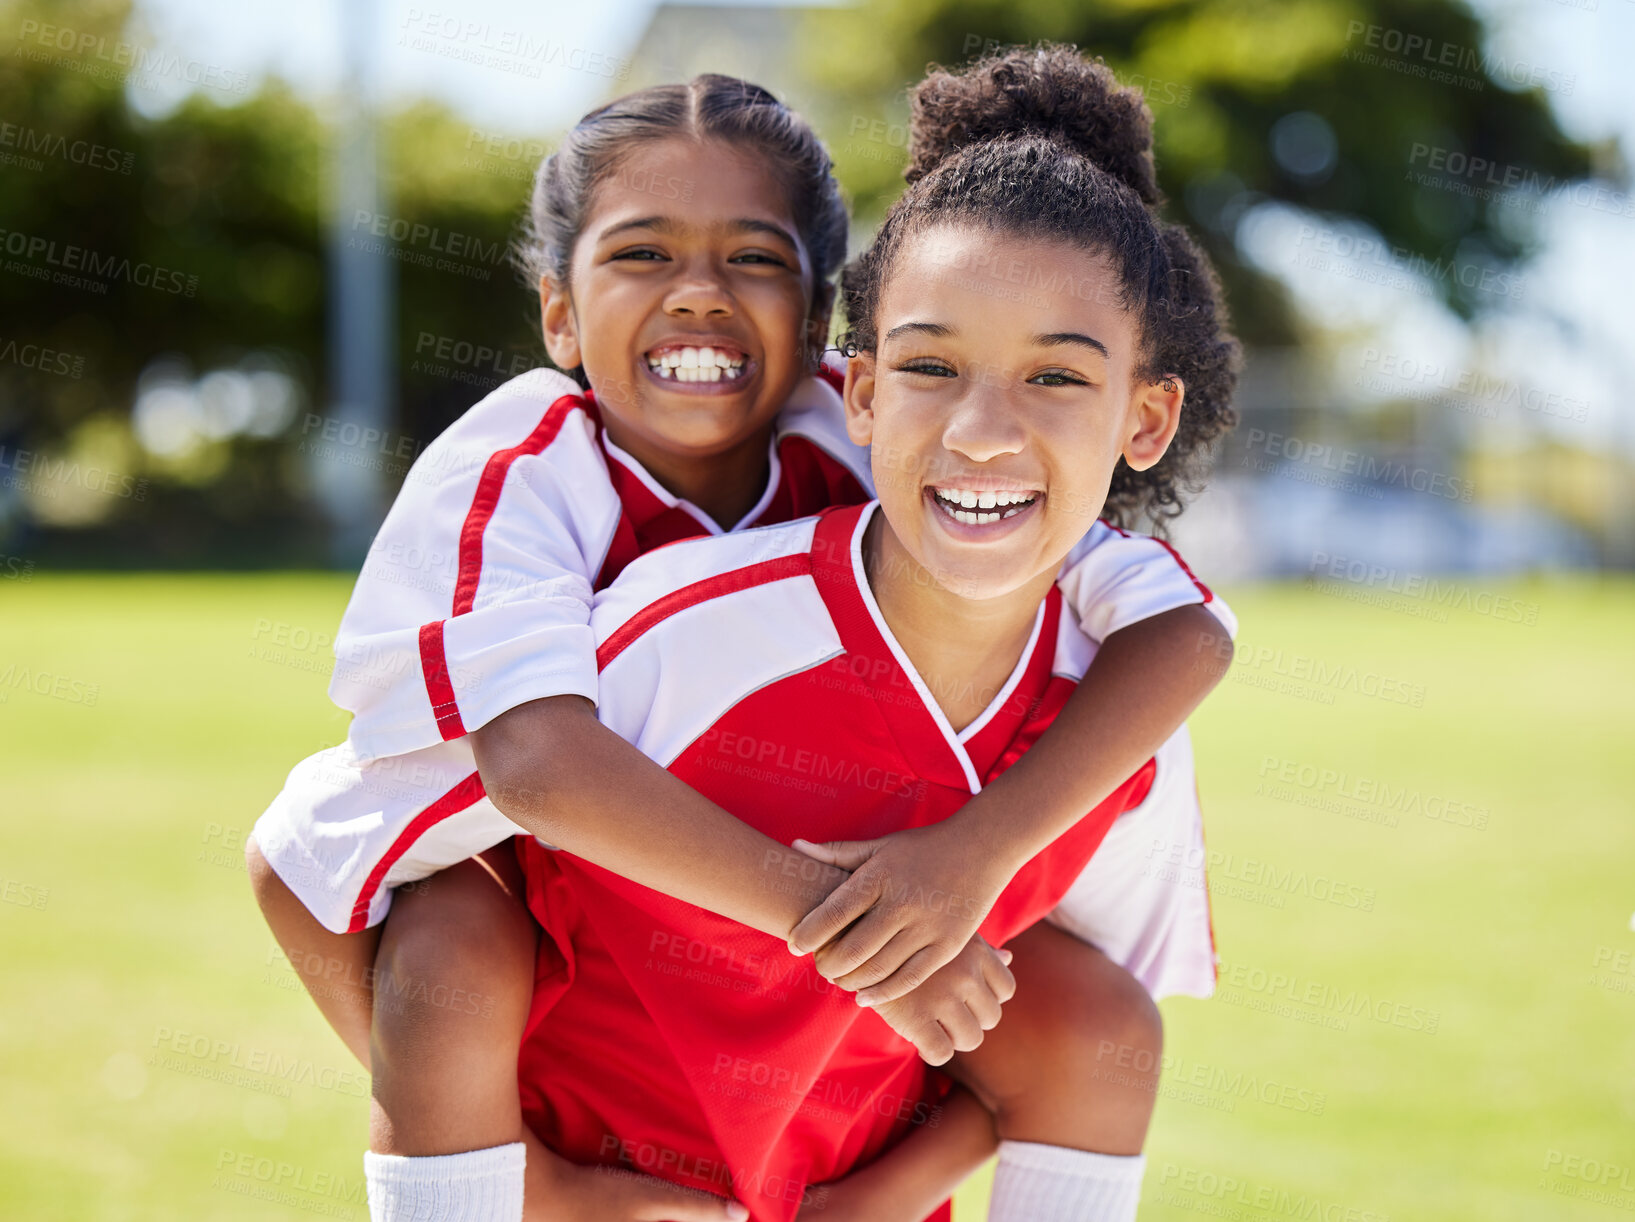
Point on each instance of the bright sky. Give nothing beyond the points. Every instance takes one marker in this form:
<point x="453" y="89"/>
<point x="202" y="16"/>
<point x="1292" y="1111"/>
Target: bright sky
<point x="1577" y="304"/>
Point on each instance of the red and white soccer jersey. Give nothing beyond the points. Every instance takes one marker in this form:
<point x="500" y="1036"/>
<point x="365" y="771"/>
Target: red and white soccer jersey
<point x="759" y="670"/>
<point x="476" y="598"/>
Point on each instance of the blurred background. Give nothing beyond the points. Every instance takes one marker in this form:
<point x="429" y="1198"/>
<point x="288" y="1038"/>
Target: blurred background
<point x="255" y="257"/>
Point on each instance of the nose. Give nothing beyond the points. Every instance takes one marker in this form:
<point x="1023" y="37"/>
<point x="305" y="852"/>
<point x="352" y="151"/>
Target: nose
<point x="698" y="292"/>
<point x="985" y="424"/>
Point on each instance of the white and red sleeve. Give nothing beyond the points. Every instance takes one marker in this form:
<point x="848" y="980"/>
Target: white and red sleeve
<point x="476" y="593"/>
<point x="1114" y="578"/>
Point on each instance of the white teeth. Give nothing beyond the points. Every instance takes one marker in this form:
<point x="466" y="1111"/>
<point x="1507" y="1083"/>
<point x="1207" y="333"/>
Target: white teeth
<point x="697" y="365"/>
<point x="959" y="504"/>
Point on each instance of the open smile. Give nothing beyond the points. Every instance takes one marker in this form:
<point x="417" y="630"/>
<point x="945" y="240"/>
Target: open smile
<point x="982" y="515"/>
<point x="715" y="364"/>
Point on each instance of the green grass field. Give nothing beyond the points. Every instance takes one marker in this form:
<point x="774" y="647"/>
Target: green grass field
<point x="1420" y="1017"/>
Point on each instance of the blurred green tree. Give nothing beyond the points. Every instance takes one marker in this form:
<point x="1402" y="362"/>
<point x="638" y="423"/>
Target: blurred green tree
<point x="1328" y="105"/>
<point x="204" y="231"/>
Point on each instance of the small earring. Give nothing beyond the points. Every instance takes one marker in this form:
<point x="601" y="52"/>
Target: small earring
<point x="1168" y="384"/>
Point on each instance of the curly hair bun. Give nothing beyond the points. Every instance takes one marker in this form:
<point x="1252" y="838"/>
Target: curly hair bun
<point x="1047" y="90"/>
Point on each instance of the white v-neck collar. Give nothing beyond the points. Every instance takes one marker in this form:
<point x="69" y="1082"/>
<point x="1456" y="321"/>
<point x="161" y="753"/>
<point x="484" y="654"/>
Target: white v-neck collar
<point x="773" y="478"/>
<point x="956" y="740"/>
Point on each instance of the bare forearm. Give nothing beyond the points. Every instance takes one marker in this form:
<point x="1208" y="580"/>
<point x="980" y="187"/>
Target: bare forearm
<point x="551" y="767"/>
<point x="910" y="1180"/>
<point x="1142" y="685"/>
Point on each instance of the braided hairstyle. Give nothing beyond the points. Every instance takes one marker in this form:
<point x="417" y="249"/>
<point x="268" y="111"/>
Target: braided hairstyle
<point x="1041" y="142"/>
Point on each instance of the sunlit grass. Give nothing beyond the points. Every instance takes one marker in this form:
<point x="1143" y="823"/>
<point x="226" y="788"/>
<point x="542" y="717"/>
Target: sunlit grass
<point x="147" y="720"/>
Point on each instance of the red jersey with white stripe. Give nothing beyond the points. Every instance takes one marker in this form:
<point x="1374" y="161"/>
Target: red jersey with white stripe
<point x="476" y="597"/>
<point x="759" y="669"/>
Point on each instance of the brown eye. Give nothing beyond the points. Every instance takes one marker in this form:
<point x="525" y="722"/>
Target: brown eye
<point x="935" y="369"/>
<point x="1058" y="377"/>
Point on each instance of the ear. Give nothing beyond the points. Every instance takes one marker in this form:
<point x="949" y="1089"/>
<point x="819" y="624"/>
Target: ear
<point x="1155" y="414"/>
<point x="859" y="395"/>
<point x="558" y="325"/>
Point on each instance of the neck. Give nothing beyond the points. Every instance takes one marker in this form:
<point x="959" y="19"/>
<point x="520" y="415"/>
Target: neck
<point x="964" y="648"/>
<point x="725" y="485"/>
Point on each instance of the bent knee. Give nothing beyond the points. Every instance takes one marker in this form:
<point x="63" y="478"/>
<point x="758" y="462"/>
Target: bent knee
<point x="1076" y="1020"/>
<point x="456" y="962"/>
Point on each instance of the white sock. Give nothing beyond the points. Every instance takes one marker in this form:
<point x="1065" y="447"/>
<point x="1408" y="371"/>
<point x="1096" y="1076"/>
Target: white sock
<point x="1040" y="1183"/>
<point x="481" y="1186"/>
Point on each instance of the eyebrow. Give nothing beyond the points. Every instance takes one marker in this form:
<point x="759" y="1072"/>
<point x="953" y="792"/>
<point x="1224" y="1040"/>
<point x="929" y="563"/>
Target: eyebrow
<point x="745" y="224"/>
<point x="1057" y="338"/>
<point x="935" y="329"/>
<point x="1053" y="340"/>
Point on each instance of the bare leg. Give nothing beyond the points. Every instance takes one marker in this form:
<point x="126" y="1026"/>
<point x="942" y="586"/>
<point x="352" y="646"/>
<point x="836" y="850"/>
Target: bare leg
<point x="1075" y="1060"/>
<point x="911" y="1179"/>
<point x="335" y="967"/>
<point x="454" y="977"/>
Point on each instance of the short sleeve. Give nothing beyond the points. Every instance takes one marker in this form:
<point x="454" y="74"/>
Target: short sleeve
<point x="1114" y="578"/>
<point x="475" y="596"/>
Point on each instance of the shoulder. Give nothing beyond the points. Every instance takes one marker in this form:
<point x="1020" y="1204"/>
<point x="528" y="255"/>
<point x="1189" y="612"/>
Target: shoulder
<point x="691" y="630"/>
<point x="528" y="415"/>
<point x="1115" y="577"/>
<point x="734" y="581"/>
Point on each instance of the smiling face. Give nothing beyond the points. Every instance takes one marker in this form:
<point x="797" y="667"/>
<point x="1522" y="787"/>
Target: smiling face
<point x="690" y="302"/>
<point x="996" y="424"/>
